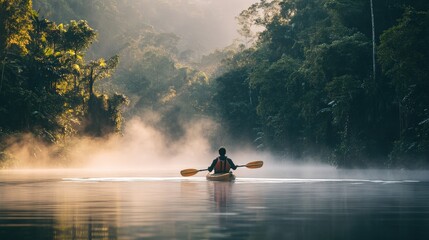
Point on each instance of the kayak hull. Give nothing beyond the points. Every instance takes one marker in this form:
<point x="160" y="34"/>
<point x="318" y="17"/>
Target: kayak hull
<point x="225" y="177"/>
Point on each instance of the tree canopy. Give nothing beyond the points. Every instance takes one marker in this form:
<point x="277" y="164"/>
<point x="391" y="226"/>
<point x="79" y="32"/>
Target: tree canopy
<point x="46" y="85"/>
<point x="311" y="78"/>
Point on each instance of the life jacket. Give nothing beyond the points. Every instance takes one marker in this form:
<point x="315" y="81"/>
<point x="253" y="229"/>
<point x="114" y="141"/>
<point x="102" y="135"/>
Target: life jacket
<point x="222" y="166"/>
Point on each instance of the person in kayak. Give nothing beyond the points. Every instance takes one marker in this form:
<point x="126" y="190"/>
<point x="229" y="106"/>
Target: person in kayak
<point x="222" y="164"/>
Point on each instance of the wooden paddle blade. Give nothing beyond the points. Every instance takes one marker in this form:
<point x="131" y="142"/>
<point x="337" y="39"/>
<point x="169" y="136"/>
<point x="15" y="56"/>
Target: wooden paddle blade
<point x="255" y="164"/>
<point x="189" y="172"/>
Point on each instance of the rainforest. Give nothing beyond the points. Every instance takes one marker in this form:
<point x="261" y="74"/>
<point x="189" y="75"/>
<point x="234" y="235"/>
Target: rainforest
<point x="341" y="82"/>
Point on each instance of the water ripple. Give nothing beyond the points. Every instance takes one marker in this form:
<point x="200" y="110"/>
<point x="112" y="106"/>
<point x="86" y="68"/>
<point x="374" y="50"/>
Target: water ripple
<point x="238" y="180"/>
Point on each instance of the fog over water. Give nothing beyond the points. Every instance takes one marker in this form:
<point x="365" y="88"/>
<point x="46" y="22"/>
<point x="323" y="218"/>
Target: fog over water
<point x="143" y="151"/>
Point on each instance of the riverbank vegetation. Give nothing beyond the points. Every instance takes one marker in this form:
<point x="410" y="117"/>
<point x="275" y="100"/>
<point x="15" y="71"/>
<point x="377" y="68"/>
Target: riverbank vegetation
<point x="338" y="80"/>
<point x="327" y="78"/>
<point x="46" y="84"/>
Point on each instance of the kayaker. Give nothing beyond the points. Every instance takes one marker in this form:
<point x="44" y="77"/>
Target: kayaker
<point x="222" y="164"/>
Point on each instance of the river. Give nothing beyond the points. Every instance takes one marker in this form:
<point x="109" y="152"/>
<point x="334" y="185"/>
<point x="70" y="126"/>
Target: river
<point x="131" y="205"/>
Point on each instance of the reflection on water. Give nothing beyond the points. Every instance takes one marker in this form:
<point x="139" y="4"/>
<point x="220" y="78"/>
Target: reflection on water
<point x="53" y="206"/>
<point x="222" y="195"/>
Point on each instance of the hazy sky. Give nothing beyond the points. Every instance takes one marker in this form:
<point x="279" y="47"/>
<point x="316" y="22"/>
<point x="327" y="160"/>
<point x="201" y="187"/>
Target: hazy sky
<point x="203" y="25"/>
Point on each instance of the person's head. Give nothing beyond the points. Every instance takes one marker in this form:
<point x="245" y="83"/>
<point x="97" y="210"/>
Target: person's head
<point x="222" y="151"/>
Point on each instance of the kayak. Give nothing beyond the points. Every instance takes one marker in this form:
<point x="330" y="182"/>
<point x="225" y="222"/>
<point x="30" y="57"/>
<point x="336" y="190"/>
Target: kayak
<point x="220" y="177"/>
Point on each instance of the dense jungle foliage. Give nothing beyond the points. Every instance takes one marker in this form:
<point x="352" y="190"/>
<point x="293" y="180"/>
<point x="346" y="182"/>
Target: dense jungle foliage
<point x="345" y="81"/>
<point x="315" y="84"/>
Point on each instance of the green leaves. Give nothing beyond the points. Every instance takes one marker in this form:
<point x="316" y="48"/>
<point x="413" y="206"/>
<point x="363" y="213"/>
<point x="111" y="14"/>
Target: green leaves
<point x="311" y="73"/>
<point x="45" y="80"/>
<point x="404" y="57"/>
<point x="78" y="36"/>
<point x="15" y="25"/>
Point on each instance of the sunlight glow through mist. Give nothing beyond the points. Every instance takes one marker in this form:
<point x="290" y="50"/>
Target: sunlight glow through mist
<point x="143" y="148"/>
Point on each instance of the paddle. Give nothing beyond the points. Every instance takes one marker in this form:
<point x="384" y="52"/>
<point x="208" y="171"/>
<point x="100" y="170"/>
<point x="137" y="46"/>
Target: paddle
<point x="253" y="165"/>
<point x="191" y="171"/>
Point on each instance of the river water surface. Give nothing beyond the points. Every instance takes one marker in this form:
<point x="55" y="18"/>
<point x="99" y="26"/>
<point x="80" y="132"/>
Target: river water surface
<point x="87" y="205"/>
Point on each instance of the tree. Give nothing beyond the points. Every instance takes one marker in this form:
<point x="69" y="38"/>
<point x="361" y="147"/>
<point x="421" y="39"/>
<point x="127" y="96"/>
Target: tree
<point x="102" y="112"/>
<point x="404" y="57"/>
<point x="47" y="86"/>
<point x="15" y="25"/>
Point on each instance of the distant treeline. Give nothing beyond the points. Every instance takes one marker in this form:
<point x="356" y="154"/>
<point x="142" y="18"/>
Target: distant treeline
<point x="342" y="80"/>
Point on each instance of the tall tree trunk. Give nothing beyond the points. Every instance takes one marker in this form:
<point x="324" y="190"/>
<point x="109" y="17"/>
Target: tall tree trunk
<point x="373" y="39"/>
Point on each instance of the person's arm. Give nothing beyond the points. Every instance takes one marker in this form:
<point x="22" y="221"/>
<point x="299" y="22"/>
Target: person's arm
<point x="231" y="163"/>
<point x="212" y="166"/>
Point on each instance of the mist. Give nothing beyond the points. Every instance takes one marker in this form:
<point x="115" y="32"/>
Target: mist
<point x="202" y="25"/>
<point x="145" y="150"/>
<point x="140" y="146"/>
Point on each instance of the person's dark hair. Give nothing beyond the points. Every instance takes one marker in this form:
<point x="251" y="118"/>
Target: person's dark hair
<point x="222" y="151"/>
